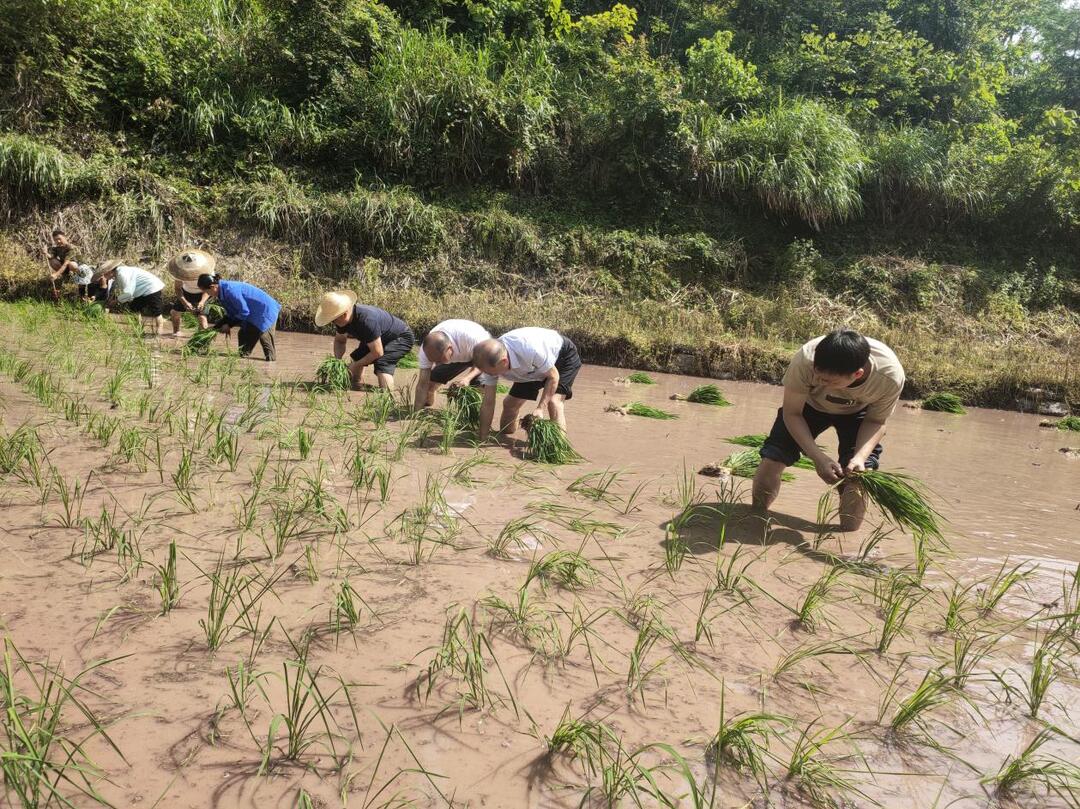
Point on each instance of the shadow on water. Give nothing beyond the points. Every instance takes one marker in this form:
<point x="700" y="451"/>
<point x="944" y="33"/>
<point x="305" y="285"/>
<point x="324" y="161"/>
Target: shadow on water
<point x="701" y="528"/>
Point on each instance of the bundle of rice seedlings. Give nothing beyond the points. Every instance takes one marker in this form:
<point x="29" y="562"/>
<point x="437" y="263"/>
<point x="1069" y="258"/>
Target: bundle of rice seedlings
<point x="410" y="360"/>
<point x="1071" y="423"/>
<point x="333" y="374"/>
<point x="705" y="394"/>
<point x="501" y="388"/>
<point x="757" y="441"/>
<point x="744" y="464"/>
<point x="214" y="312"/>
<point x="944" y="403"/>
<point x="199" y="342"/>
<point x="646" y="411"/>
<point x="549" y="444"/>
<point x="93" y="311"/>
<point x="903" y="500"/>
<point x="466" y="401"/>
<point x="641" y="378"/>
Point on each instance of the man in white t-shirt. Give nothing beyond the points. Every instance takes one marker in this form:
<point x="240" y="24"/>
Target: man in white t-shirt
<point x="845" y="381"/>
<point x="139" y="289"/>
<point x="539" y="362"/>
<point x="446" y="358"/>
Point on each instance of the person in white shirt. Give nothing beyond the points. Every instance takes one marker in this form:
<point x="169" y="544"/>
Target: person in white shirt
<point x="446" y="358"/>
<point x="539" y="362"/>
<point x="185" y="268"/>
<point x="136" y="287"/>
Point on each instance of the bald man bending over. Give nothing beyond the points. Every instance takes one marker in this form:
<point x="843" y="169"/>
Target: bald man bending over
<point x="446" y="358"/>
<point x="537" y="361"/>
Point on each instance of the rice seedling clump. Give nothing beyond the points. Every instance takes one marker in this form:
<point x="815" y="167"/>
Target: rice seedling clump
<point x="549" y="444"/>
<point x="641" y="378"/>
<point x="708" y="394"/>
<point x="744" y="464"/>
<point x="903" y="501"/>
<point x="333" y="374"/>
<point x="199" y="342"/>
<point x="1070" y="423"/>
<point x="944" y="403"/>
<point x="647" y="411"/>
<point x="466" y="402"/>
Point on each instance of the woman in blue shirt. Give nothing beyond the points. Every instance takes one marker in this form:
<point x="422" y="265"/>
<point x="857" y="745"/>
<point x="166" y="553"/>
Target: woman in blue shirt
<point x="248" y="307"/>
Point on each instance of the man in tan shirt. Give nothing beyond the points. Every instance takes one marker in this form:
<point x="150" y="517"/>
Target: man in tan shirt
<point x="842" y="380"/>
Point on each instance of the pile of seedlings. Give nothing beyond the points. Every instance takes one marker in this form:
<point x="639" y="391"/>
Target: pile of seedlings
<point x="944" y="403"/>
<point x="704" y="394"/>
<point x="333" y="374"/>
<point x="547" y="443"/>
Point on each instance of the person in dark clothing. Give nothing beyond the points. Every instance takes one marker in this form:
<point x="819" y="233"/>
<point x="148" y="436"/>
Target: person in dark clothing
<point x="61" y="257"/>
<point x="248" y="307"/>
<point x="384" y="338"/>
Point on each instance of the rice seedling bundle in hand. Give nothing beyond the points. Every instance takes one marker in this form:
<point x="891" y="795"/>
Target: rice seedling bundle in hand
<point x="466" y="401"/>
<point x="706" y="394"/>
<point x="199" y="342"/>
<point x="944" y="403"/>
<point x="647" y="411"/>
<point x="549" y="444"/>
<point x="641" y="378"/>
<point x="214" y="312"/>
<point x="333" y="374"/>
<point x="903" y="500"/>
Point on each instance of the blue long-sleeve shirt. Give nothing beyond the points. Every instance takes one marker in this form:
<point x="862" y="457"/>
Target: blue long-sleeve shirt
<point x="245" y="303"/>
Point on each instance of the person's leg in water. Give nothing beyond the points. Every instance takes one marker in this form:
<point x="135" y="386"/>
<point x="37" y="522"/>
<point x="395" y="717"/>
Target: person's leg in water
<point x="852" y="494"/>
<point x="511" y="409"/>
<point x="557" y="410"/>
<point x="266" y="341"/>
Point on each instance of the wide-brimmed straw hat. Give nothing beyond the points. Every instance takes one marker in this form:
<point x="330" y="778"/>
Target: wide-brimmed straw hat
<point x="190" y="264"/>
<point x="107" y="266"/>
<point x="333" y="305"/>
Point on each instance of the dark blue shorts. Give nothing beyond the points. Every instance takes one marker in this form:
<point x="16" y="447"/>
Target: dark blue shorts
<point x="449" y="371"/>
<point x="392" y="353"/>
<point x="781" y="447"/>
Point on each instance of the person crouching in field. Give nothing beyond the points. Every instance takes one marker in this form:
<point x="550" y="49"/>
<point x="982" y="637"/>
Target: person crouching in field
<point x="135" y="287"/>
<point x="446" y="358"/>
<point x="186" y="268"/>
<point x="384" y="338"/>
<point x="845" y="381"/>
<point x="539" y="362"/>
<point x="248" y="307"/>
<point x="89" y="292"/>
<point x="61" y="257"/>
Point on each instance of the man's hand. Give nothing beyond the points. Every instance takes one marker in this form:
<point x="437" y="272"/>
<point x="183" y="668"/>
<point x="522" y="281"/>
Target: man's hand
<point x="854" y="466"/>
<point x="538" y="414"/>
<point x="454" y="385"/>
<point x="828" y="469"/>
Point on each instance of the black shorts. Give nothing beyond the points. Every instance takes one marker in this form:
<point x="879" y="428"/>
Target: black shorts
<point x="781" y="447"/>
<point x="191" y="297"/>
<point x="448" y="371"/>
<point x="148" y="305"/>
<point x="95" y="291"/>
<point x="392" y="353"/>
<point x="567" y="364"/>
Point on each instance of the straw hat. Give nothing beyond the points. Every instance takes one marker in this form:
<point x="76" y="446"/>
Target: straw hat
<point x="190" y="264"/>
<point x="107" y="266"/>
<point x="333" y="305"/>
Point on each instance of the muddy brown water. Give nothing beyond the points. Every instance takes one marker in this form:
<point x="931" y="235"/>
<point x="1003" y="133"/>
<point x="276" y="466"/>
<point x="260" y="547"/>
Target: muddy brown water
<point x="1007" y="492"/>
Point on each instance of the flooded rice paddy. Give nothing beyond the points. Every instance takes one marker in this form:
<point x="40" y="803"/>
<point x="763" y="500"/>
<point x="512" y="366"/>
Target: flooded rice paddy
<point x="468" y="628"/>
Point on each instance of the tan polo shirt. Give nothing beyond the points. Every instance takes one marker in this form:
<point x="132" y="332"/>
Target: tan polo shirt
<point x="878" y="395"/>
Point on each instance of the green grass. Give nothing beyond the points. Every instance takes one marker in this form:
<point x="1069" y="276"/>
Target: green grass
<point x="333" y="374"/>
<point x="547" y="443"/>
<point x="944" y="403"/>
<point x="410" y="360"/>
<point x="708" y="394"/>
<point x="647" y="411"/>
<point x="641" y="378"/>
<point x="1070" y="423"/>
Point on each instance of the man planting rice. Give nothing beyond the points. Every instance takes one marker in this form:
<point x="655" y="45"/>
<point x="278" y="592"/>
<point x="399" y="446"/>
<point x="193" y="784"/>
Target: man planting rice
<point x="248" y="307"/>
<point x="845" y="381"/>
<point x="186" y="268"/>
<point x="539" y="362"/>
<point x="384" y="338"/>
<point x="61" y="257"/>
<point x="446" y="358"/>
<point x="138" y="289"/>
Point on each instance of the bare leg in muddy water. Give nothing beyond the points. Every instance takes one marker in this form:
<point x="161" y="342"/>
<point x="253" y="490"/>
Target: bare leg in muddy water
<point x="508" y="420"/>
<point x="767" y="483"/>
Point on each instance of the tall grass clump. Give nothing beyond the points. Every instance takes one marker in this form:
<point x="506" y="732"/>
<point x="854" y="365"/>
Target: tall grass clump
<point x="944" y="403"/>
<point x="333" y="374"/>
<point x="547" y="443"/>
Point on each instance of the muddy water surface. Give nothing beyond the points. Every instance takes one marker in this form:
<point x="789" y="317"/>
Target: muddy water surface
<point x="1008" y="493"/>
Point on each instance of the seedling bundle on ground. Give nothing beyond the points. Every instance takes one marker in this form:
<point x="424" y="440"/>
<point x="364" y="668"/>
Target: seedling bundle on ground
<point x="944" y="403"/>
<point x="705" y="394"/>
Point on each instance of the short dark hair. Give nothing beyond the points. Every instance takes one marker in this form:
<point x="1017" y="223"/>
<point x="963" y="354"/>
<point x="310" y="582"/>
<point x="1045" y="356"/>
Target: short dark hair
<point x="58" y="232"/>
<point x="206" y="280"/>
<point x="841" y="352"/>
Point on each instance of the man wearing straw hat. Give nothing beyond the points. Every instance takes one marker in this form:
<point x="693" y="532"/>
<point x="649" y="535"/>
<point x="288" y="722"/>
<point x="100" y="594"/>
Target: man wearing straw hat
<point x="384" y="338"/>
<point x="185" y="268"/>
<point x="139" y="289"/>
<point x="446" y="358"/>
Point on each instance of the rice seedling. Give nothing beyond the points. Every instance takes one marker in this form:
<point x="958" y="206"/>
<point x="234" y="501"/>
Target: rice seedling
<point x="744" y="464"/>
<point x="226" y="447"/>
<point x="464" y="471"/>
<point x="706" y="394"/>
<point x="520" y="533"/>
<point x="641" y="378"/>
<point x="992" y="592"/>
<point x="243" y="682"/>
<point x="427" y="526"/>
<point x="903" y="501"/>
<point x="304" y="442"/>
<point x="450" y="429"/>
<point x="115" y="384"/>
<point x="622" y="777"/>
<point x="595" y="485"/>
<point x="806" y="652"/>
<point x="18" y="449"/>
<point x="731" y="577"/>
<point x="968" y="651"/>
<point x="896" y="597"/>
<point x="333" y="374"/>
<point x="102" y="427"/>
<point x="630" y="500"/>
<point x="465" y="401"/>
<point x="1045" y="671"/>
<point x="742" y="741"/>
<point x="308" y="707"/>
<point x="42" y="760"/>
<point x="944" y="403"/>
<point x="198" y="344"/>
<point x="183" y="480"/>
<point x="646" y="411"/>
<point x="956" y="605"/>
<point x="1068" y="423"/>
<point x="568" y="569"/>
<point x="345" y="613"/>
<point x="675" y="547"/>
<point x="1034" y="773"/>
<point x="815" y="775"/>
<point x="71" y="499"/>
<point x="809" y="611"/>
<point x="933" y="691"/>
<point x="168" y="585"/>
<point x="526" y="621"/>
<point x="289" y="522"/>
<point x="547" y="443"/>
<point x="232" y="602"/>
<point x="378" y="407"/>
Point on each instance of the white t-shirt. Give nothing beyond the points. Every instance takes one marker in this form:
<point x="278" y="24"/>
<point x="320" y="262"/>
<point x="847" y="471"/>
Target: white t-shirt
<point x="463" y="336"/>
<point x="135" y="282"/>
<point x="877" y="395"/>
<point x="532" y="352"/>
